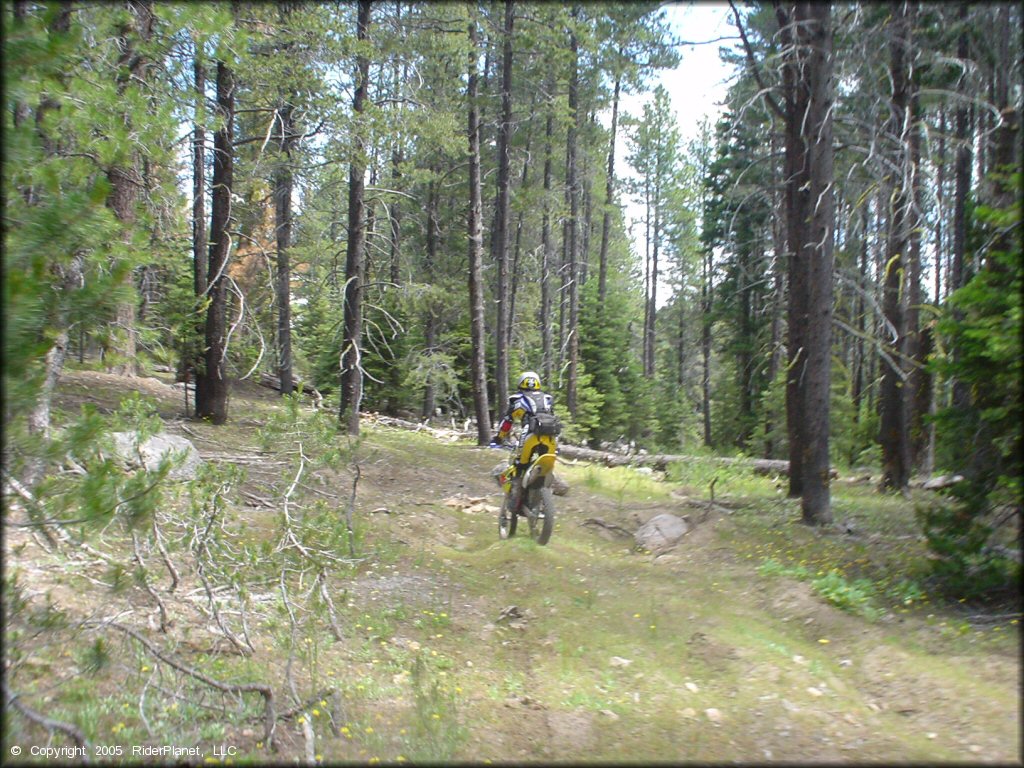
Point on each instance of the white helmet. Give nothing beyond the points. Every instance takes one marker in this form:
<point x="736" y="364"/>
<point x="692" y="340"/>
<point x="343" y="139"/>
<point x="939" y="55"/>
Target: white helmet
<point x="529" y="380"/>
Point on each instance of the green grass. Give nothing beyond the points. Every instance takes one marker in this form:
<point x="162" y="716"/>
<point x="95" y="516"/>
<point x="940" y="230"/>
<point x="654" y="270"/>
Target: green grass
<point x="429" y="673"/>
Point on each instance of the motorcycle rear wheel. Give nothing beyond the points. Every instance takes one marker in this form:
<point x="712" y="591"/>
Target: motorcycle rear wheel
<point x="542" y="515"/>
<point x="507" y="520"/>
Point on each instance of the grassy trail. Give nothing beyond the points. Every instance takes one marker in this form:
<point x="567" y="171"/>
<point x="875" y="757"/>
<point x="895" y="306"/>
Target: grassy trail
<point x="755" y="639"/>
<point x="700" y="654"/>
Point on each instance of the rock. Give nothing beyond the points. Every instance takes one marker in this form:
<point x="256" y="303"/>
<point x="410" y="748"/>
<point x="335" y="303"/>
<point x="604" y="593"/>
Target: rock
<point x="618" y="661"/>
<point x="559" y="487"/>
<point x="692" y="687"/>
<point x="940" y="482"/>
<point x="510" y="613"/>
<point x="153" y="449"/>
<point x="689" y="712"/>
<point x="661" y="531"/>
<point x="713" y="715"/>
<point x="609" y="714"/>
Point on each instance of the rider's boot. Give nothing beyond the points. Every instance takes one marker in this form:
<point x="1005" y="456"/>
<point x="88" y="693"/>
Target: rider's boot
<point x="516" y="502"/>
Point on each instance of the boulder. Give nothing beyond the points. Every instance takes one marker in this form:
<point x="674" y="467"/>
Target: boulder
<point x="661" y="531"/>
<point x="153" y="449"/>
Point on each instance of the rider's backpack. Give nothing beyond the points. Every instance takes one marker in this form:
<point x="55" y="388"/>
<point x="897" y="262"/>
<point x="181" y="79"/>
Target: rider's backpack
<point x="543" y="421"/>
<point x="546" y="424"/>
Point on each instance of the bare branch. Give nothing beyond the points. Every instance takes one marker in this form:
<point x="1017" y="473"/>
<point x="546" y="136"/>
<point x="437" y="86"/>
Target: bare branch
<point x="754" y="69"/>
<point x="269" y="719"/>
<point x="76" y="735"/>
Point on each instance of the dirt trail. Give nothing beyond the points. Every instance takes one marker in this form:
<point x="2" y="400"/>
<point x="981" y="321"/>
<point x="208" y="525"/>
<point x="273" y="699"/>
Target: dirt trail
<point x="865" y="691"/>
<point x="611" y="654"/>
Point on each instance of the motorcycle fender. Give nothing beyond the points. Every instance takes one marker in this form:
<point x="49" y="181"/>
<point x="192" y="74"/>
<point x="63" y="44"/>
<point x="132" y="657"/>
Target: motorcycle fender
<point x="540" y="468"/>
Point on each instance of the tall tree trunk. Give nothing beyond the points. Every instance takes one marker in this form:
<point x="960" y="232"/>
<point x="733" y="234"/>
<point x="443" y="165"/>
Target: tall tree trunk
<point x="816" y="500"/>
<point x="645" y="356"/>
<point x="38" y="418"/>
<point x="200" y="257"/>
<point x="745" y="357"/>
<point x="894" y="434"/>
<point x="351" y="364"/>
<point x="778" y="274"/>
<point x="126" y="180"/>
<point x="807" y="38"/>
<point x="283" y="185"/>
<point x="861" y="317"/>
<point x="430" y="321"/>
<point x="609" y="198"/>
<point x="652" y="297"/>
<point x="476" y="246"/>
<point x="586" y="224"/>
<point x="918" y="391"/>
<point x="499" y="235"/>
<point x="797" y="188"/>
<point x="962" y="189"/>
<point x="573" y="224"/>
<point x="928" y="460"/>
<point x="517" y="249"/>
<point x="705" y="343"/>
<point x="547" y="254"/>
<point x="211" y="382"/>
<point x="397" y="157"/>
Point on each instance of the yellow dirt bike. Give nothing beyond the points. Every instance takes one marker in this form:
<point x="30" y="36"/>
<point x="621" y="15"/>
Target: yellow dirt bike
<point x="527" y="480"/>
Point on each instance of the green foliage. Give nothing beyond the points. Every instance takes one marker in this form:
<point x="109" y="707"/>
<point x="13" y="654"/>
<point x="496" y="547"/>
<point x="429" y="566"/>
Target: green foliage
<point x="855" y="596"/>
<point x="96" y="657"/>
<point x="438" y="731"/>
<point x="982" y="324"/>
<point x="622" y="405"/>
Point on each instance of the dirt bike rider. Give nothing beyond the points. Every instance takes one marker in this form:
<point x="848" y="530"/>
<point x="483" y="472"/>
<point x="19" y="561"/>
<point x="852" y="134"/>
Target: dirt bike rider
<point x="526" y="402"/>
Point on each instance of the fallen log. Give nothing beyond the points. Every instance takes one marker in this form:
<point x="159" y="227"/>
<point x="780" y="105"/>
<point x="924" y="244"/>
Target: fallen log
<point x="660" y="461"/>
<point x="273" y="382"/>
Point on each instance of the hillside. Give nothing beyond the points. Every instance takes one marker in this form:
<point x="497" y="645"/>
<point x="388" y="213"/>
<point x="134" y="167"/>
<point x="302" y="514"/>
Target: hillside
<point x="424" y="638"/>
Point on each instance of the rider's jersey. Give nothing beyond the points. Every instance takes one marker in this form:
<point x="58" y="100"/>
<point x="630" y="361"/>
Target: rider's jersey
<point x="522" y="405"/>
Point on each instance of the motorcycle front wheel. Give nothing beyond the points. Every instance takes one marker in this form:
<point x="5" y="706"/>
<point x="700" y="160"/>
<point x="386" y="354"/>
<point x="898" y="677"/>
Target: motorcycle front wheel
<point x="506" y="520"/>
<point x="542" y="515"/>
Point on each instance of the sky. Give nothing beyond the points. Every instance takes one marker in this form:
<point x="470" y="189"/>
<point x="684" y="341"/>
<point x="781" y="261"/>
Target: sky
<point x="695" y="87"/>
<point x="700" y="80"/>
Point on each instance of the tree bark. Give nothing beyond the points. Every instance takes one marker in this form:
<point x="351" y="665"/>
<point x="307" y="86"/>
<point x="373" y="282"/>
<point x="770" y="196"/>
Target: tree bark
<point x="283" y="184"/>
<point x="126" y="181"/>
<point x="499" y="234"/>
<point x="962" y="189"/>
<point x="211" y="382"/>
<point x="547" y="255"/>
<point x="797" y="188"/>
<point x="609" y="198"/>
<point x="430" y="321"/>
<point x="779" y="247"/>
<point x="351" y="363"/>
<point x="705" y="343"/>
<point x="476" y="246"/>
<point x="894" y="434"/>
<point x="816" y="498"/>
<point x="200" y="257"/>
<point x="807" y="75"/>
<point x="573" y="225"/>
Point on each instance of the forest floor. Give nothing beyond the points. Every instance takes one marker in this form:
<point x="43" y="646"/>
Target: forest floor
<point x="457" y="646"/>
